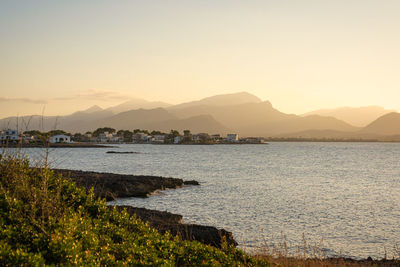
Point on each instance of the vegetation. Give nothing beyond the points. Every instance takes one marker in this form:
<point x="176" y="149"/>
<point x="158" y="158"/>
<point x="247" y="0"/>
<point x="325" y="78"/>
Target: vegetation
<point x="33" y="132"/>
<point x="47" y="220"/>
<point x="78" y="137"/>
<point x="102" y="130"/>
<point x="126" y="135"/>
<point x="157" y="133"/>
<point x="57" y="132"/>
<point x="141" y="131"/>
<point x="138" y="136"/>
<point x="169" y="139"/>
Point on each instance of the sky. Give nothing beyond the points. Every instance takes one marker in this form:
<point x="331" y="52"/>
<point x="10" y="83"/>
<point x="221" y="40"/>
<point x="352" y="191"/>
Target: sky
<point x="57" y="57"/>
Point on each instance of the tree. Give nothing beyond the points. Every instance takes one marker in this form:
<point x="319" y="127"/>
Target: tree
<point x="33" y="133"/>
<point x="78" y="137"/>
<point x="187" y="136"/>
<point x="57" y="132"/>
<point x="140" y="131"/>
<point x="171" y="136"/>
<point x="157" y="133"/>
<point x="126" y="135"/>
<point x="102" y="130"/>
<point x="204" y="138"/>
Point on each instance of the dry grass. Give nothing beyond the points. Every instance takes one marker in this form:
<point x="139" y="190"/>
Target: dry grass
<point x="307" y="255"/>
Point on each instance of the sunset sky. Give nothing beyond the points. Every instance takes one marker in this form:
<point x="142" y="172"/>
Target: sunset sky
<point x="300" y="55"/>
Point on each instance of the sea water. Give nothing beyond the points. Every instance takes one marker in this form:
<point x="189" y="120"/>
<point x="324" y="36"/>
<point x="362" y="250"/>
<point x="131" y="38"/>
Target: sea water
<point x="344" y="198"/>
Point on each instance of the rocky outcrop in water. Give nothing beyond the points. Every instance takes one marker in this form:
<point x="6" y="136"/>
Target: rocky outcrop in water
<point x="112" y="186"/>
<point x="191" y="182"/>
<point x="122" y="152"/>
<point x="165" y="221"/>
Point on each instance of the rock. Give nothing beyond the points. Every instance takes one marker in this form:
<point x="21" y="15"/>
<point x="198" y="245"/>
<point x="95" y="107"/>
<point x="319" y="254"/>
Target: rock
<point x="205" y="234"/>
<point x="191" y="182"/>
<point x="112" y="186"/>
<point x="122" y="152"/>
<point x="153" y="216"/>
<point x="165" y="221"/>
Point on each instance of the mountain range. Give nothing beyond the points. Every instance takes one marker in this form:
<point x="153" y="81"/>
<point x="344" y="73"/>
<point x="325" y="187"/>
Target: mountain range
<point x="240" y="113"/>
<point x="359" y="117"/>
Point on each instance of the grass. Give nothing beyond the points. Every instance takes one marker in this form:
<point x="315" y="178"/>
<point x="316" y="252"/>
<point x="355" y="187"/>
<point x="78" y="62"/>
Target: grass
<point x="46" y="219"/>
<point x="307" y="255"/>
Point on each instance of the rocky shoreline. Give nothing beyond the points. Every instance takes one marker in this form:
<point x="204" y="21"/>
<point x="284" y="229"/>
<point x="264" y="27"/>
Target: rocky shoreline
<point x="112" y="186"/>
<point x="165" y="221"/>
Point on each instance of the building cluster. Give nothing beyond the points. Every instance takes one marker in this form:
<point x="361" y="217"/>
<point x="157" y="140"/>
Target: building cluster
<point x="9" y="135"/>
<point x="188" y="138"/>
<point x="132" y="137"/>
<point x="105" y="137"/>
<point x="13" y="136"/>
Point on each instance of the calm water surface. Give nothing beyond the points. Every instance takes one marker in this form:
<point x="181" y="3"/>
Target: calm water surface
<point x="344" y="197"/>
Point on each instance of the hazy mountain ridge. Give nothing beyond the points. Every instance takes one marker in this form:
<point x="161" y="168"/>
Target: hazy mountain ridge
<point x="247" y="116"/>
<point x="92" y="109"/>
<point x="388" y="124"/>
<point x="262" y="119"/>
<point x="160" y="119"/>
<point x="139" y="118"/>
<point x="385" y="128"/>
<point x="221" y="100"/>
<point x="359" y="117"/>
<point x="196" y="124"/>
<point x="137" y="103"/>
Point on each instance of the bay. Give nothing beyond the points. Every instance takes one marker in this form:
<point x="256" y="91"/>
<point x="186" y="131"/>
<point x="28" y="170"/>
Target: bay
<point x="343" y="197"/>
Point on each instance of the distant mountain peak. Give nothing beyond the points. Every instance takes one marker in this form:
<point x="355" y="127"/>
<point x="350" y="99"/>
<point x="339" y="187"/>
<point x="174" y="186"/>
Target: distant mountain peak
<point x="235" y="98"/>
<point x="94" y="108"/>
<point x="267" y="103"/>
<point x="222" y="100"/>
<point x="357" y="116"/>
<point x="137" y="103"/>
<point x="388" y="124"/>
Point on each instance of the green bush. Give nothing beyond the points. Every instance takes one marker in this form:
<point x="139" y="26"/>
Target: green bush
<point x="47" y="220"/>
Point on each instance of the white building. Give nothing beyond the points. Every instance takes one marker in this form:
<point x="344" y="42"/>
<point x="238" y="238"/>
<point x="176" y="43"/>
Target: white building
<point x="11" y="135"/>
<point x="158" y="138"/>
<point x="105" y="137"/>
<point x="144" y="137"/>
<point x="60" y="138"/>
<point x="28" y="138"/>
<point x="232" y="138"/>
<point x="116" y="138"/>
<point x="178" y="139"/>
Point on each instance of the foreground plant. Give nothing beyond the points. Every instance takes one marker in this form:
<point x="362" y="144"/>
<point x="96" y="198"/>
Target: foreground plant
<point x="47" y="220"/>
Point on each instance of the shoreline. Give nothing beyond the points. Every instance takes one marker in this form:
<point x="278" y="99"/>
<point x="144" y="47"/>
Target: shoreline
<point x="61" y="145"/>
<point x="117" y="145"/>
<point x="112" y="186"/>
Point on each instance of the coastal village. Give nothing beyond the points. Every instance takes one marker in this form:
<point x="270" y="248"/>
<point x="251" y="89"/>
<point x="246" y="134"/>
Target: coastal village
<point x="109" y="135"/>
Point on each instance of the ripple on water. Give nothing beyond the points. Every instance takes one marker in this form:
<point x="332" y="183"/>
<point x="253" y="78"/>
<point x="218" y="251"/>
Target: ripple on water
<point x="347" y="194"/>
